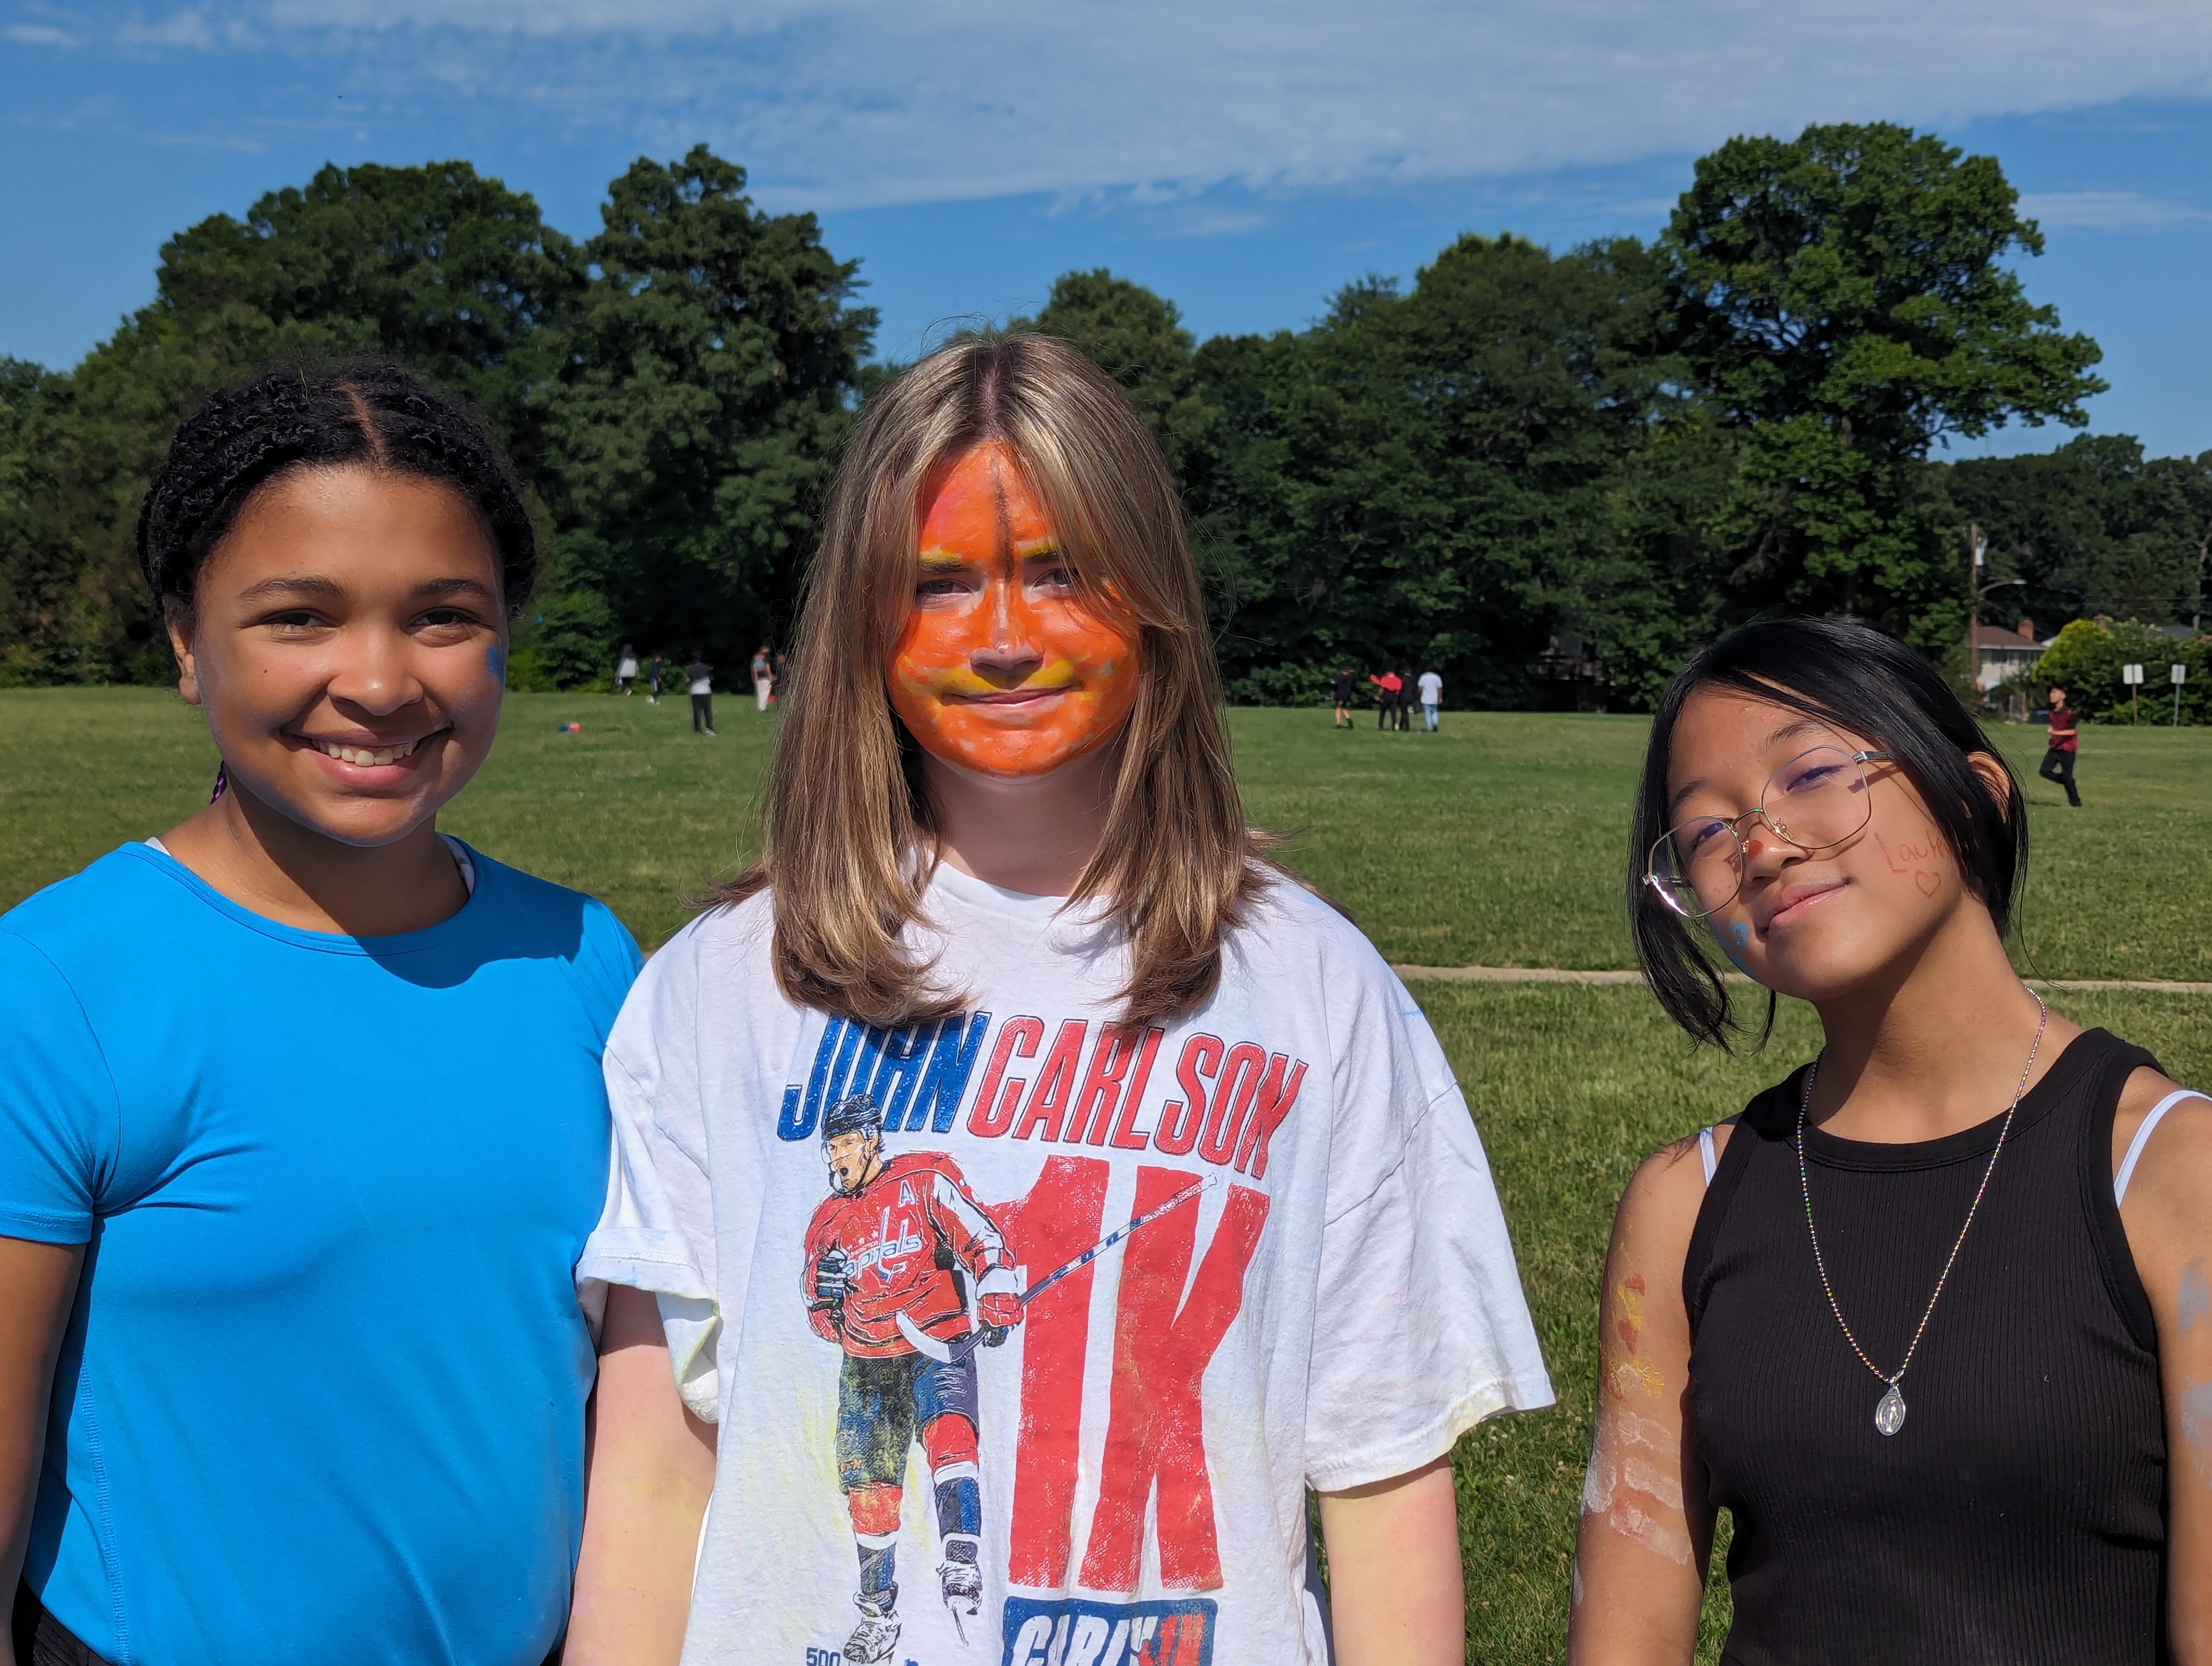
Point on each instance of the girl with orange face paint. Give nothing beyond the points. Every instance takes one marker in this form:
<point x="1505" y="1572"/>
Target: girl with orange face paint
<point x="1004" y="668"/>
<point x="1031" y="1014"/>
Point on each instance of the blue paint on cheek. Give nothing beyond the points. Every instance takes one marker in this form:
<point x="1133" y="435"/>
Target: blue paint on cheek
<point x="1734" y="945"/>
<point x="495" y="662"/>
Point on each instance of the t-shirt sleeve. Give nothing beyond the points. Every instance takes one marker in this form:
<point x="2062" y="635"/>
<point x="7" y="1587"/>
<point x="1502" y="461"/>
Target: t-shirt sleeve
<point x="1420" y="1328"/>
<point x="657" y="1230"/>
<point x="60" y="1117"/>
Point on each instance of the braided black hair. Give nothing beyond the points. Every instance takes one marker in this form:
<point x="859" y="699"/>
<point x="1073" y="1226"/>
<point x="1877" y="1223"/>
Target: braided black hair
<point x="376" y="415"/>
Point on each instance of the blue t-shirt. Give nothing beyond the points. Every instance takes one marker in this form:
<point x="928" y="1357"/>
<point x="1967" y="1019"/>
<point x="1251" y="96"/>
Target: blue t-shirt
<point x="322" y="1396"/>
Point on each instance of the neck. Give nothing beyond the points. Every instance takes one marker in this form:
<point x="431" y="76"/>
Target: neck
<point x="263" y="860"/>
<point x="1934" y="1042"/>
<point x="1036" y="833"/>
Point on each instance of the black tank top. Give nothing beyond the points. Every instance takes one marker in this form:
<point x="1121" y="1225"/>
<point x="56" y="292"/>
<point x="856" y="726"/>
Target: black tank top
<point x="2019" y="1516"/>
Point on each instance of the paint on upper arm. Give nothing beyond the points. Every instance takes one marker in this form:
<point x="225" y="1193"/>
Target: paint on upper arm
<point x="2197" y="1424"/>
<point x="2195" y="1304"/>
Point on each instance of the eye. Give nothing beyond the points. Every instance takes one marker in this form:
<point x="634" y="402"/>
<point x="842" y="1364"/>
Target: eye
<point x="1693" y="838"/>
<point x="291" y="621"/>
<point x="940" y="587"/>
<point x="1812" y="777"/>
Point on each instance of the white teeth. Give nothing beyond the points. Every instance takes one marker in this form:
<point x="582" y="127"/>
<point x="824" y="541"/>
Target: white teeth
<point x="362" y="755"/>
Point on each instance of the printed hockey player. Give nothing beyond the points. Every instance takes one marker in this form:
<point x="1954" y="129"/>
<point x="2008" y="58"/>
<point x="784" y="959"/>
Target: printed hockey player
<point x="904" y="1236"/>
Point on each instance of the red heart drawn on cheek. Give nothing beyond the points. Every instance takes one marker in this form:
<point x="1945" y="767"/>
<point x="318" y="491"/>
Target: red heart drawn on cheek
<point x="1927" y="882"/>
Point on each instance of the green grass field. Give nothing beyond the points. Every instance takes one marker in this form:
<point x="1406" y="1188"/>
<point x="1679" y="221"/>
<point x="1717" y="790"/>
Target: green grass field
<point x="1498" y="842"/>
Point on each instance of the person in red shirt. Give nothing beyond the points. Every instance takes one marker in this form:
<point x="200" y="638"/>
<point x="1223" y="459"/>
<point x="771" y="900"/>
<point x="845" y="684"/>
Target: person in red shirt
<point x="2058" y="761"/>
<point x="1386" y="701"/>
<point x="904" y="1238"/>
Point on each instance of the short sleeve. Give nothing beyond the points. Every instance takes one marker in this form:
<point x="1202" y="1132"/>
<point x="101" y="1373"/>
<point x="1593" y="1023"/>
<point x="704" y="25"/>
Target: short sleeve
<point x="657" y="1230"/>
<point x="60" y="1118"/>
<point x="1420" y="1328"/>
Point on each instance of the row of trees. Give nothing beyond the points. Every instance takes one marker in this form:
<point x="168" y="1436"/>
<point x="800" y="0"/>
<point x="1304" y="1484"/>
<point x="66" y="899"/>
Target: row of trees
<point x="1549" y="476"/>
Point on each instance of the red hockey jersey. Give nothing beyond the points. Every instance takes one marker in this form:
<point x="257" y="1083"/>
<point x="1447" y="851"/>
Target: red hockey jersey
<point x="904" y="1233"/>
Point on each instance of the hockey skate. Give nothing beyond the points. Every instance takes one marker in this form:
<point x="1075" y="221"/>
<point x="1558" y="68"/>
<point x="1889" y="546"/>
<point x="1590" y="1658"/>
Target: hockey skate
<point x="877" y="1636"/>
<point x="961" y="1581"/>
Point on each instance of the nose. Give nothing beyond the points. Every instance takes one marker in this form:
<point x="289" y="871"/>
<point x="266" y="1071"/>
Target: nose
<point x="375" y="674"/>
<point x="1007" y="652"/>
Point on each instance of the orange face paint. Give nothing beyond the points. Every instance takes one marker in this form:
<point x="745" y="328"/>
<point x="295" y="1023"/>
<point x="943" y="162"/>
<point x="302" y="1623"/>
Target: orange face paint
<point x="1001" y="668"/>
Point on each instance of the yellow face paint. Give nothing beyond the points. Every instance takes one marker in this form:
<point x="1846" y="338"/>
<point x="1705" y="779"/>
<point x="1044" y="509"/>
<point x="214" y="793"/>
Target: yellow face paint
<point x="1002" y="667"/>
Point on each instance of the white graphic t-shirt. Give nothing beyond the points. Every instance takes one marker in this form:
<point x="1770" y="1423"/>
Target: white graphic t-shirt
<point x="1025" y="1337"/>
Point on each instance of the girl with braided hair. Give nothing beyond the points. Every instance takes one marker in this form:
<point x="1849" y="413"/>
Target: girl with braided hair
<point x="301" y="1119"/>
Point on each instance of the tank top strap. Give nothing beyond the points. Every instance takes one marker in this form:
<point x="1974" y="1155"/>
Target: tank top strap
<point x="1768" y="1117"/>
<point x="2110" y="1062"/>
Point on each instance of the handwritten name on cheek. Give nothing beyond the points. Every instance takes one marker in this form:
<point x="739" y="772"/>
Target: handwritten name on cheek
<point x="1915" y="859"/>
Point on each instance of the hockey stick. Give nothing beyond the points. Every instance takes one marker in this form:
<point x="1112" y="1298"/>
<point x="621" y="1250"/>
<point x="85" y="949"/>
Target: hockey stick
<point x="922" y="1342"/>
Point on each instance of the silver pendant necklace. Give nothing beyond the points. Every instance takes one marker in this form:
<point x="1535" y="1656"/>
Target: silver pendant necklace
<point x="1889" y="1415"/>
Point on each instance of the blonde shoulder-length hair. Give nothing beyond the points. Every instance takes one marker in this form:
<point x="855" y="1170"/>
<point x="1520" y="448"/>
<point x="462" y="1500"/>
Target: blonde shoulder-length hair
<point x="846" y="830"/>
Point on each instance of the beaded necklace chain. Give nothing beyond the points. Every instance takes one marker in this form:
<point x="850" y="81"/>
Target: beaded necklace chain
<point x="1889" y="1415"/>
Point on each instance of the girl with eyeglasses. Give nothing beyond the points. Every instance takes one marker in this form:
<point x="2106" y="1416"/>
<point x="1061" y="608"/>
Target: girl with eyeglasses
<point x="1931" y="1317"/>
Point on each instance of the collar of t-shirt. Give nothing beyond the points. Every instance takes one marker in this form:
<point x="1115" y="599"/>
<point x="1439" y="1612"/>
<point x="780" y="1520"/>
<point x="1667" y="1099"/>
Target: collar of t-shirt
<point x="462" y="859"/>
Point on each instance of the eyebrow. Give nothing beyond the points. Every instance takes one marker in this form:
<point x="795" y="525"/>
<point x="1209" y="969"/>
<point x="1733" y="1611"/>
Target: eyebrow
<point x="293" y="584"/>
<point x="316" y="584"/>
<point x="1787" y="732"/>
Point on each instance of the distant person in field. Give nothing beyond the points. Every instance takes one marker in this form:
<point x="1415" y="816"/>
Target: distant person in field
<point x="763" y="675"/>
<point x="652" y="680"/>
<point x="1386" y="697"/>
<point x="302" y="1118"/>
<point x="1432" y="696"/>
<point x="1929" y="1319"/>
<point x="625" y="670"/>
<point x="1343" y="698"/>
<point x="2058" y="754"/>
<point x="782" y="675"/>
<point x="1407" y="695"/>
<point x="1012" y="1035"/>
<point x="701" y="676"/>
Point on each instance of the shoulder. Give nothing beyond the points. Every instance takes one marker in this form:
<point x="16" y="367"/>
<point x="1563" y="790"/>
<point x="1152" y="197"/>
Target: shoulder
<point x="719" y="961"/>
<point x="910" y="1163"/>
<point x="2173" y="1176"/>
<point x="86" y="907"/>
<point x="1668" y="1186"/>
<point x="1289" y="920"/>
<point x="580" y="930"/>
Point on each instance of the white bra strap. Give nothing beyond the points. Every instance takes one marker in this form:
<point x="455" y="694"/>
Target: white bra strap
<point x="1711" y="1160"/>
<point x="2142" y="1137"/>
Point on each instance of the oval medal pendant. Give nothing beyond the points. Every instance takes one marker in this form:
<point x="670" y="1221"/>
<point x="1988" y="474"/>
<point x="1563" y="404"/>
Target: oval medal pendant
<point x="1889" y="1416"/>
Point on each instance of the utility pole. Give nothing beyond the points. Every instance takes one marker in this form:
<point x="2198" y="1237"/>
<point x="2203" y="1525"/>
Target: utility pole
<point x="1976" y="541"/>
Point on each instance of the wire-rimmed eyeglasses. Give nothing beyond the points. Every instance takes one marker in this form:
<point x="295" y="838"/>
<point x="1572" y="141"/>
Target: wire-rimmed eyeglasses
<point x="1815" y="801"/>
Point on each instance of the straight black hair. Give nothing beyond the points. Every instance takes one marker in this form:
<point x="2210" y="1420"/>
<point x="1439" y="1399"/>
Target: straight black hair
<point x="1864" y="683"/>
<point x="376" y="415"/>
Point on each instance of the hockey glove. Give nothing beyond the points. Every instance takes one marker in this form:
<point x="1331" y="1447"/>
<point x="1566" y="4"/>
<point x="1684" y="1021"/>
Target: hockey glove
<point x="833" y="1278"/>
<point x="1000" y="1310"/>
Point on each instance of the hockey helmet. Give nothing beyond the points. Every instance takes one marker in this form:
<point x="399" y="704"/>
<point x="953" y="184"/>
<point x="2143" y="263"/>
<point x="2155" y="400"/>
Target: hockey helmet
<point x="856" y="1113"/>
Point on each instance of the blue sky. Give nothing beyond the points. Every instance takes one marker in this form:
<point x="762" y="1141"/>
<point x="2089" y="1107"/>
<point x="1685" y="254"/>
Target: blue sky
<point x="1243" y="158"/>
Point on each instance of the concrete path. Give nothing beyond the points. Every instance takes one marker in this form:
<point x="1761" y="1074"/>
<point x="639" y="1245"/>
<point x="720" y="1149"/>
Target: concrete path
<point x="1555" y="975"/>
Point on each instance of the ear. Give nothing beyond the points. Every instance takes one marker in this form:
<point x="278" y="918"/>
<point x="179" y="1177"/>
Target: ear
<point x="1995" y="781"/>
<point x="178" y="623"/>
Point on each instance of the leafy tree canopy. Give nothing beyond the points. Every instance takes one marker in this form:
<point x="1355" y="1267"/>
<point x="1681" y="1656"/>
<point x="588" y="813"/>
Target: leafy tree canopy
<point x="710" y="370"/>
<point x="1841" y="299"/>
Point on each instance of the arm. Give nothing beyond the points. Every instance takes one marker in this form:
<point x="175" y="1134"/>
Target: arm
<point x="649" y="1469"/>
<point x="2167" y="1214"/>
<point x="38" y="1287"/>
<point x="1395" y="1598"/>
<point x="1646" y="1530"/>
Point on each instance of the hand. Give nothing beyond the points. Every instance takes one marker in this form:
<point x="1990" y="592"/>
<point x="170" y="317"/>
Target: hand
<point x="1000" y="1310"/>
<point x="833" y="1278"/>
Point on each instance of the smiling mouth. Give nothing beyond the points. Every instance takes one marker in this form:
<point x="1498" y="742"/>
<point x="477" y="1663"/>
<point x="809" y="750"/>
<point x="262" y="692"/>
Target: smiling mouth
<point x="1009" y="697"/>
<point x="365" y="754"/>
<point x="1783" y="914"/>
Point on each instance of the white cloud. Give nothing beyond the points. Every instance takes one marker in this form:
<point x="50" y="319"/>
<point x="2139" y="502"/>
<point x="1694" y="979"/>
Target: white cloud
<point x="846" y="103"/>
<point x="2110" y="210"/>
<point x="38" y="34"/>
